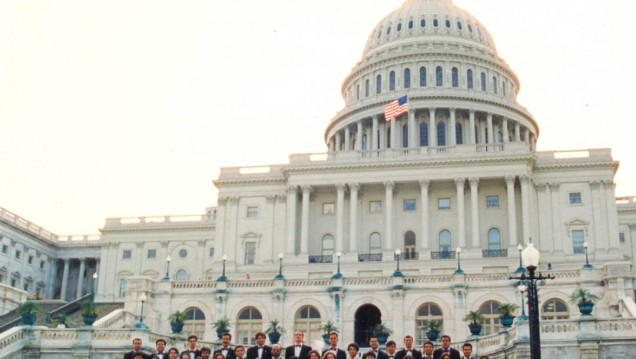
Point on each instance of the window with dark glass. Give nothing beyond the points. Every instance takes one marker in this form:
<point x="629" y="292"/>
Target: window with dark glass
<point x="367" y="88"/>
<point x="378" y="84"/>
<point x="445" y="242"/>
<point x="492" y="201"/>
<point x="483" y="81"/>
<point x="459" y="25"/>
<point x="578" y="240"/>
<point x="435" y="23"/>
<point x="423" y="134"/>
<point x="494" y="239"/>
<point x="458" y="134"/>
<point x="455" y="77"/>
<point x="399" y="27"/>
<point x="422" y="76"/>
<point x="410" y="24"/>
<point x="448" y="24"/>
<point x="469" y="78"/>
<point x="621" y="237"/>
<point x="441" y="134"/>
<point x="439" y="76"/>
<point x="407" y="78"/>
<point x="575" y="198"/>
<point x="405" y="136"/>
<point x="470" y="28"/>
<point x="494" y="85"/>
<point x="388" y="30"/>
<point x="152" y="253"/>
<point x="357" y="92"/>
<point x="443" y="203"/>
<point x="392" y="81"/>
<point x="409" y="205"/>
<point x="126" y="254"/>
<point x="423" y="23"/>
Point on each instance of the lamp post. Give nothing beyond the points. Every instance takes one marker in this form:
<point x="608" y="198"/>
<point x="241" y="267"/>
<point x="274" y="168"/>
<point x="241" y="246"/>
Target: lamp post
<point x="337" y="275"/>
<point x="397" y="272"/>
<point x="223" y="278"/>
<point x="531" y="257"/>
<point x="280" y="275"/>
<point x="459" y="265"/>
<point x="587" y="264"/>
<point x="520" y="269"/>
<point x="522" y="289"/>
<point x="167" y="277"/>
<point x="140" y="324"/>
<point x="93" y="285"/>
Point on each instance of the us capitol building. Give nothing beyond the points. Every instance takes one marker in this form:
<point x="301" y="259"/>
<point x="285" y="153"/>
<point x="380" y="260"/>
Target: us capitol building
<point x="401" y="222"/>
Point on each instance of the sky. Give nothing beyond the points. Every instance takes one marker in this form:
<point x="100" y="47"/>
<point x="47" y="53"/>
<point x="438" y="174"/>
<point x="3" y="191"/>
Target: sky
<point x="129" y="108"/>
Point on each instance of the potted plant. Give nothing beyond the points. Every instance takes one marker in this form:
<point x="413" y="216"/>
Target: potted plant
<point x="88" y="311"/>
<point x="274" y="331"/>
<point x="28" y="311"/>
<point x="381" y="331"/>
<point x="222" y="325"/>
<point x="326" y="329"/>
<point x="61" y="320"/>
<point x="474" y="319"/>
<point x="584" y="299"/>
<point x="433" y="328"/>
<point x="506" y="311"/>
<point x="176" y="321"/>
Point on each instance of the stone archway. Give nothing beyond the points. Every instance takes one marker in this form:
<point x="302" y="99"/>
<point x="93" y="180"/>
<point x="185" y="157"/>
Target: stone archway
<point x="367" y="316"/>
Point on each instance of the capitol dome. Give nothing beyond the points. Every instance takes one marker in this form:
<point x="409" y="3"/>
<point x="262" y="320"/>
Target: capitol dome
<point x="459" y="91"/>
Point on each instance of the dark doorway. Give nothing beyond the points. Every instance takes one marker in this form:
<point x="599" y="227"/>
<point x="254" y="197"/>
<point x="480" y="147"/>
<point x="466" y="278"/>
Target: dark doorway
<point x="367" y="316"/>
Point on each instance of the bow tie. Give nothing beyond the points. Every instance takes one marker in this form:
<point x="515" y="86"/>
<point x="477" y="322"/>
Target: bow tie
<point x="334" y="349"/>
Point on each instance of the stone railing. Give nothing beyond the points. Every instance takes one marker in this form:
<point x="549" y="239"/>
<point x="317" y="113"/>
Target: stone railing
<point x="11" y="341"/>
<point x="490" y="253"/>
<point x="307" y="282"/>
<point x="626" y="200"/>
<point x="208" y="284"/>
<point x="428" y="279"/>
<point x="320" y="259"/>
<point x="367" y="281"/>
<point x="115" y="319"/>
<point x="250" y="283"/>
<point x="181" y="220"/>
<point x="22" y="223"/>
<point x="559" y="326"/>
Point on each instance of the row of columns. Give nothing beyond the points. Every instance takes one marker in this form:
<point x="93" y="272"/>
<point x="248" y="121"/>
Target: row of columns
<point x="377" y="139"/>
<point x="389" y="217"/>
<point x="80" y="277"/>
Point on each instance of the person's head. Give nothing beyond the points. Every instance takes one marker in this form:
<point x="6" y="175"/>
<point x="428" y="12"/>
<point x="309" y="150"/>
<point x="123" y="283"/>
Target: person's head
<point x="374" y="342"/>
<point x="428" y="347"/>
<point x="408" y="341"/>
<point x="218" y="356"/>
<point x="160" y="344"/>
<point x="353" y="350"/>
<point x="260" y="339"/>
<point x="138" y="355"/>
<point x="446" y="341"/>
<point x="483" y="357"/>
<point x="226" y="339"/>
<point x="136" y="344"/>
<point x="239" y="351"/>
<point x="408" y="356"/>
<point x="328" y="355"/>
<point x="173" y="353"/>
<point x="333" y="339"/>
<point x="276" y="349"/>
<point x="299" y="336"/>
<point x="192" y="341"/>
<point x="390" y="347"/>
<point x="467" y="348"/>
<point x="184" y="355"/>
<point x="154" y="356"/>
<point x="445" y="356"/>
<point x="314" y="354"/>
<point x="370" y="355"/>
<point x="206" y="352"/>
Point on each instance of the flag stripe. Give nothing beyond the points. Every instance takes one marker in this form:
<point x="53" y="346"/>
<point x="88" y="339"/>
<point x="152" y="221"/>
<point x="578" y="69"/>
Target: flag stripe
<point x="395" y="108"/>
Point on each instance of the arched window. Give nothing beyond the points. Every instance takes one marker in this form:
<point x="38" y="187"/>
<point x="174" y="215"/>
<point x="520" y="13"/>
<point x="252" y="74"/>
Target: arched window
<point x="435" y="23"/>
<point x="491" y="321"/>
<point x="469" y="78"/>
<point x="494" y="239"/>
<point x="483" y="81"/>
<point x="405" y="136"/>
<point x="367" y="88"/>
<point x="407" y="78"/>
<point x="375" y="243"/>
<point x="439" y="76"/>
<point x="410" y="24"/>
<point x="459" y="25"/>
<point x="459" y="135"/>
<point x="448" y="24"/>
<point x="388" y="30"/>
<point x="392" y="81"/>
<point x="357" y="92"/>
<point x="182" y="274"/>
<point x="441" y="134"/>
<point x="409" y="245"/>
<point x="455" y="77"/>
<point x="426" y="313"/>
<point x="194" y="322"/>
<point x="445" y="242"/>
<point x="554" y="309"/>
<point x="423" y="23"/>
<point x="504" y="87"/>
<point x="422" y="76"/>
<point x="399" y="27"/>
<point x="494" y="85"/>
<point x="364" y="142"/>
<point x="327" y="245"/>
<point x="378" y="84"/>
<point x="423" y="134"/>
<point x="250" y="322"/>
<point x="307" y="320"/>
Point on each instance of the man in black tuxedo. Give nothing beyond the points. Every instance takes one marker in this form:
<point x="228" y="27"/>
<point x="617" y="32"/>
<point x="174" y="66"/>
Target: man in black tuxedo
<point x="239" y="352"/>
<point x="390" y="349"/>
<point x="408" y="349"/>
<point x="333" y="346"/>
<point x="136" y="346"/>
<point x="374" y="343"/>
<point x="260" y="350"/>
<point x="225" y="349"/>
<point x="161" y="351"/>
<point x="299" y="349"/>
<point x="192" y="347"/>
<point x="467" y="348"/>
<point x="428" y="350"/>
<point x="446" y="342"/>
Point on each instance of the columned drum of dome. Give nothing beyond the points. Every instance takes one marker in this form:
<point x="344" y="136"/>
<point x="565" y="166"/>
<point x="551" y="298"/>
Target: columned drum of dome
<point x="465" y="98"/>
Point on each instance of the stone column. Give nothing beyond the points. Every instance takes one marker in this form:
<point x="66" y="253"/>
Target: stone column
<point x="556" y="215"/>
<point x="353" y="216"/>
<point x="412" y="130"/>
<point x="491" y="132"/>
<point x="474" y="206"/>
<point x="471" y="127"/>
<point x="80" y="278"/>
<point x="291" y="220"/>
<point x="432" y="128"/>
<point x="512" y="213"/>
<point x="517" y="132"/>
<point x="525" y="207"/>
<point x="304" y="221"/>
<point x="392" y="140"/>
<point x="461" y="212"/>
<point x="595" y="190"/>
<point x="347" y="139"/>
<point x="374" y="134"/>
<point x="388" y="215"/>
<point x="424" y="242"/>
<point x="64" y="279"/>
<point x="612" y="214"/>
<point x="339" y="216"/>
<point x="452" y="141"/>
<point x="338" y="141"/>
<point x="504" y="125"/>
<point x="359" y="135"/>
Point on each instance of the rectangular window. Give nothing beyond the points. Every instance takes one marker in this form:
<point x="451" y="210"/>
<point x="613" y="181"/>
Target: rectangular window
<point x="409" y="205"/>
<point x="578" y="240"/>
<point x="18" y="254"/>
<point x="127" y="254"/>
<point x="443" y="203"/>
<point x="621" y="237"/>
<point x="122" y="287"/>
<point x="152" y="253"/>
<point x="250" y="252"/>
<point x="211" y="254"/>
<point x="575" y="198"/>
<point x="375" y="206"/>
<point x="30" y="260"/>
<point x="492" y="201"/>
<point x="5" y="249"/>
<point x="42" y="264"/>
<point x="328" y="208"/>
<point x="14" y="282"/>
<point x="252" y="212"/>
<point x="1" y="277"/>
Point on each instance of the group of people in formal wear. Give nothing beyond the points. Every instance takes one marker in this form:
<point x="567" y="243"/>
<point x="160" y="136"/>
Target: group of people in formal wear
<point x="299" y="350"/>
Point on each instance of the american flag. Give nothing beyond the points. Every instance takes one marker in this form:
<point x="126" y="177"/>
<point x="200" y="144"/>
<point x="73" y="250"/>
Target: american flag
<point x="395" y="108"/>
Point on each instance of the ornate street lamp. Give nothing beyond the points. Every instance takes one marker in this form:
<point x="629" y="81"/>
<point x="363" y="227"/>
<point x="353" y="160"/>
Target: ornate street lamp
<point x="459" y="266"/>
<point x="223" y="278"/>
<point x="520" y="269"/>
<point x="587" y="264"/>
<point x="280" y="275"/>
<point x="397" y="272"/>
<point x="337" y="275"/>
<point x="531" y="257"/>
<point x="522" y="289"/>
<point x="140" y="324"/>
<point x="167" y="277"/>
